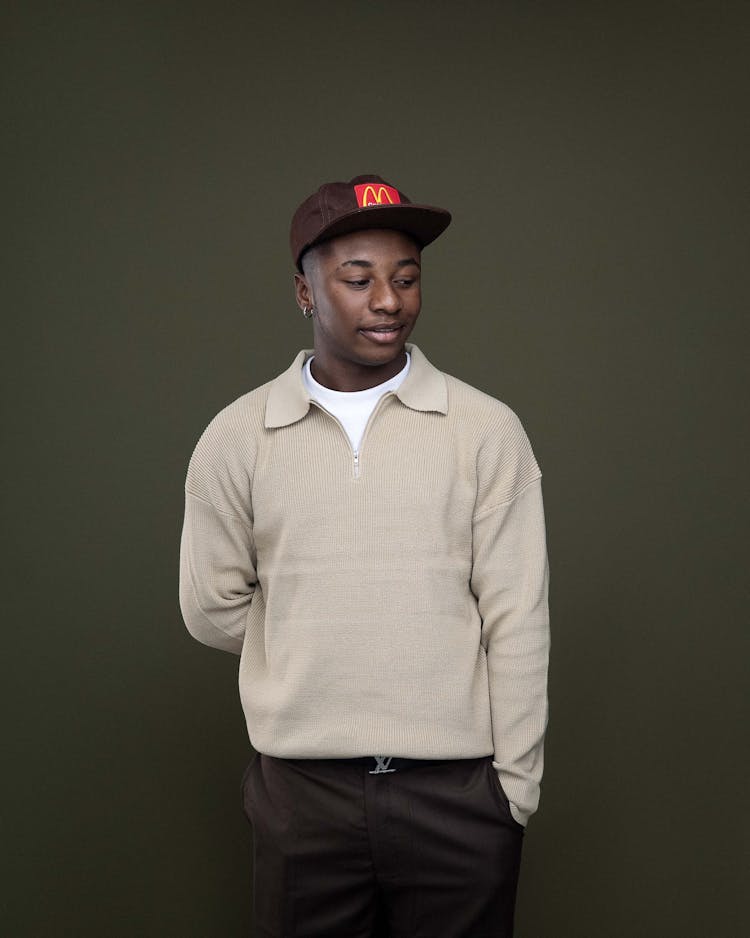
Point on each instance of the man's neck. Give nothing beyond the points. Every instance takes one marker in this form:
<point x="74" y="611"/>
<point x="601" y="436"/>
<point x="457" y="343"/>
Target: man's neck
<point x="350" y="376"/>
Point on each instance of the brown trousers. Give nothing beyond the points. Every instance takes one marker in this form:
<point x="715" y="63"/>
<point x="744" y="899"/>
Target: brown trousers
<point x="427" y="851"/>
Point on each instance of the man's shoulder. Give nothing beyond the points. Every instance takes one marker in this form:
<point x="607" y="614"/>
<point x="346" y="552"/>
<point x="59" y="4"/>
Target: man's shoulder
<point x="247" y="406"/>
<point x="236" y="428"/>
<point x="467" y="401"/>
<point x="241" y="423"/>
<point x="493" y="432"/>
<point x="242" y="416"/>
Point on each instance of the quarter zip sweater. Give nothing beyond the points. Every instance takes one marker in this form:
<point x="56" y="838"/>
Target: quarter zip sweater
<point x="395" y="603"/>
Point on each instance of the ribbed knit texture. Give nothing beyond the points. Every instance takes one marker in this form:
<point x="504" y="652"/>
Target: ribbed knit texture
<point x="397" y="607"/>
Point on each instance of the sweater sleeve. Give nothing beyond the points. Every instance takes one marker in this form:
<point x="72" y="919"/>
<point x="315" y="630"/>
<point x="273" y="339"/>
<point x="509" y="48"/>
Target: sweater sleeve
<point x="510" y="580"/>
<point x="217" y="550"/>
<point x="217" y="576"/>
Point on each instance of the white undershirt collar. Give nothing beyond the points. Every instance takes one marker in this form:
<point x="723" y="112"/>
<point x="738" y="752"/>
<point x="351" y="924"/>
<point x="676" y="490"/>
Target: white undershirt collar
<point x="352" y="408"/>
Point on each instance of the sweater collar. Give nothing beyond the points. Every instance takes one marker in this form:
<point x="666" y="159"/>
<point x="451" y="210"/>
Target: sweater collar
<point x="423" y="389"/>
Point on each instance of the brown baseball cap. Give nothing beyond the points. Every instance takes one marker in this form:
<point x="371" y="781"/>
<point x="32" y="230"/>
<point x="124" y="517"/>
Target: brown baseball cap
<point x="364" y="202"/>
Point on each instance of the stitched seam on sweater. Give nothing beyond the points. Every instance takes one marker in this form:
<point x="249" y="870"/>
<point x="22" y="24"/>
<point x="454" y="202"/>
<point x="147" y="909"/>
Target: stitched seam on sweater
<point x="508" y="501"/>
<point x="227" y="514"/>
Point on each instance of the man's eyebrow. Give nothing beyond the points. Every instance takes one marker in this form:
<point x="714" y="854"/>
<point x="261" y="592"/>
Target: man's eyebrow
<point x="369" y="264"/>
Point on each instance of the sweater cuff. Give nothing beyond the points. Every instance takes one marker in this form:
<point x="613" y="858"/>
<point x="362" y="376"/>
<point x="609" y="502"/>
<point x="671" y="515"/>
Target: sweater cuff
<point x="518" y="816"/>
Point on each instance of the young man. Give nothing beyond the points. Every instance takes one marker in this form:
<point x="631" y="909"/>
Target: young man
<point x="367" y="533"/>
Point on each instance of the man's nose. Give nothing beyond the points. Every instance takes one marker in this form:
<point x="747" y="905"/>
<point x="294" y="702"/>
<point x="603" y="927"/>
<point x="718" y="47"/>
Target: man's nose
<point x="384" y="297"/>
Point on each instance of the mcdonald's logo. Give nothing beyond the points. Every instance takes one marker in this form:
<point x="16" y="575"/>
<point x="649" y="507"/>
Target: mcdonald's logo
<point x="376" y="194"/>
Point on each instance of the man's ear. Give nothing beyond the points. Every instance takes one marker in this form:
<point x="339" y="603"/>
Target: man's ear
<point x="303" y="292"/>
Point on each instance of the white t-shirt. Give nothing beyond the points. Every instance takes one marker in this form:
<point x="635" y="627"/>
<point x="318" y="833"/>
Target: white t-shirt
<point x="352" y="408"/>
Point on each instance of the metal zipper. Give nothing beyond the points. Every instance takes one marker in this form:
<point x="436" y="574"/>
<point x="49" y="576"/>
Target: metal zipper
<point x="355" y="453"/>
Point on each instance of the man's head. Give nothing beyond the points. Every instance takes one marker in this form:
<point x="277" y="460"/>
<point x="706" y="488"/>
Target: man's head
<point x="357" y="247"/>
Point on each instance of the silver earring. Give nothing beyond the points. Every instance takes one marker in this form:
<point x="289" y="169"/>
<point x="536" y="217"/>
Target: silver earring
<point x="307" y="311"/>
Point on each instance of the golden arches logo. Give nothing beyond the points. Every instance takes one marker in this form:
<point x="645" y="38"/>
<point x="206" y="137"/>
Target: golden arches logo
<point x="371" y="197"/>
<point x="376" y="194"/>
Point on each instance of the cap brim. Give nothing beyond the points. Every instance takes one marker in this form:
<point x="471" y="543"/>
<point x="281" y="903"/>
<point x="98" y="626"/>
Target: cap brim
<point x="423" y="223"/>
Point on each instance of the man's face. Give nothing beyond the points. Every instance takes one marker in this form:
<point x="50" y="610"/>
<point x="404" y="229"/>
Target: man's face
<point x="365" y="290"/>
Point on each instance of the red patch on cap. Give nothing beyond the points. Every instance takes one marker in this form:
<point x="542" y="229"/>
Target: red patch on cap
<point x="376" y="193"/>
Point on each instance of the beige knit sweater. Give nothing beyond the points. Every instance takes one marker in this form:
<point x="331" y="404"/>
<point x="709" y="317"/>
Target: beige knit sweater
<point x="390" y="602"/>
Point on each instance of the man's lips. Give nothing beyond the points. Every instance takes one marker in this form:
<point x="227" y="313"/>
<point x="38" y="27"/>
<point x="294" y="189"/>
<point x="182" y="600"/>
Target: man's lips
<point x="383" y="333"/>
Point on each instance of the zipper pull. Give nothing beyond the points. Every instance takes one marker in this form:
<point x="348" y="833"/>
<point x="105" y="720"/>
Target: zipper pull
<point x="356" y="465"/>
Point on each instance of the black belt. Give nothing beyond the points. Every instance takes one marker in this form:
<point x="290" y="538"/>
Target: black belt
<point x="380" y="765"/>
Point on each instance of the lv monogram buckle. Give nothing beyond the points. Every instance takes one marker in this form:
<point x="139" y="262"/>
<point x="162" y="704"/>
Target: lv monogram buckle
<point x="382" y="765"/>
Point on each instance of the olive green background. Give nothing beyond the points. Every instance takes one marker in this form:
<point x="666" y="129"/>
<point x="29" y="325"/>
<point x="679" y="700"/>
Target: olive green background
<point x="595" y="278"/>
